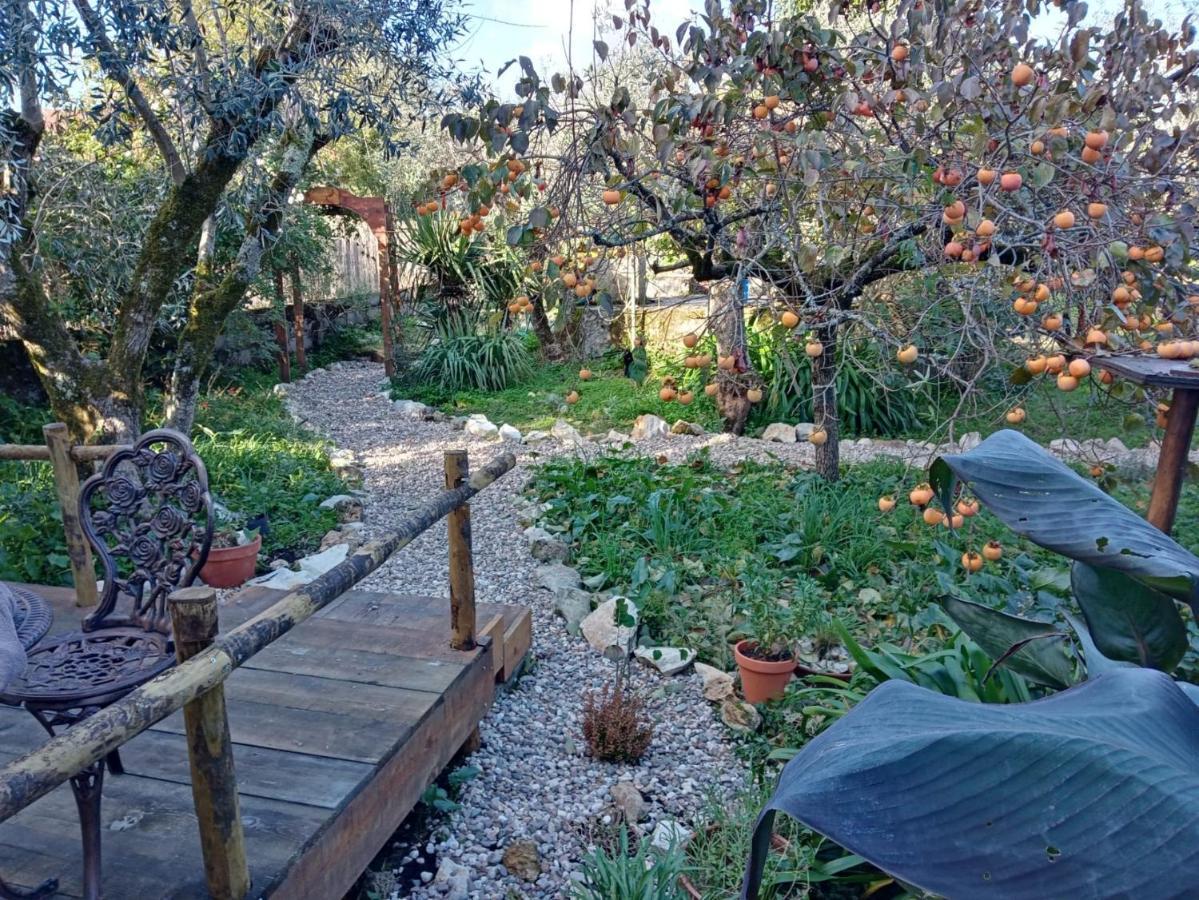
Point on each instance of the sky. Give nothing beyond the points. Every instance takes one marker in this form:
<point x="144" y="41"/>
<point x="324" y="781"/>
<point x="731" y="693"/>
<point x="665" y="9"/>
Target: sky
<point x="501" y="30"/>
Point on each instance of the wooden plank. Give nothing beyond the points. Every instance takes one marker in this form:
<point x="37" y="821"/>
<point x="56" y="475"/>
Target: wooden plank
<point x="518" y="640"/>
<point x="153" y="850"/>
<point x="333" y="861"/>
<point x="410" y="611"/>
<point x="319" y="716"/>
<point x="261" y="771"/>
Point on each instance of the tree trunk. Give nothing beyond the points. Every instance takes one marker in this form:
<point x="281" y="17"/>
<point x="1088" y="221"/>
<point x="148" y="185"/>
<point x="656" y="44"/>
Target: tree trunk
<point x="551" y="347"/>
<point x="824" y="402"/>
<point x="212" y="304"/>
<point x="727" y="321"/>
<point x="284" y="354"/>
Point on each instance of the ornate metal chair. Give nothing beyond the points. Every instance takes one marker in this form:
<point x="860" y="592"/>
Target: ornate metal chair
<point x="148" y="516"/>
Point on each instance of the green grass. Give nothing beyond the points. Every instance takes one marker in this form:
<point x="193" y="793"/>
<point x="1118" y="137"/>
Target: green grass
<point x="258" y="461"/>
<point x="607" y="401"/>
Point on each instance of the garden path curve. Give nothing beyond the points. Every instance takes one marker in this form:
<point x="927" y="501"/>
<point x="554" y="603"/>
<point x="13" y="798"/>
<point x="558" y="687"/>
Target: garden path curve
<point x="536" y="783"/>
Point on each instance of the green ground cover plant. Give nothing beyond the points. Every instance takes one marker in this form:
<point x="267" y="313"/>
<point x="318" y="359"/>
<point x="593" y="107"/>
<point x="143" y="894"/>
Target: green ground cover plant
<point x="259" y="463"/>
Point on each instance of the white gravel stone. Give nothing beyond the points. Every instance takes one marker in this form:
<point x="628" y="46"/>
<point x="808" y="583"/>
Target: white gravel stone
<point x="536" y="782"/>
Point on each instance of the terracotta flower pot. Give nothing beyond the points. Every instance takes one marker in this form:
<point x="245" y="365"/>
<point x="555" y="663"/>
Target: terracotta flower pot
<point x="761" y="679"/>
<point x="229" y="567"/>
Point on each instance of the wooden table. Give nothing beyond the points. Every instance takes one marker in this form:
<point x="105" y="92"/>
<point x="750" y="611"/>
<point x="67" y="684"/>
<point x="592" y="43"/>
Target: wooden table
<point x="1152" y="371"/>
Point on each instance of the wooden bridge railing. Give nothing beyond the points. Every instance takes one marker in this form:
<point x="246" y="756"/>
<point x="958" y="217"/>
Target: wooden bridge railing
<point x="206" y="659"/>
<point x="65" y="458"/>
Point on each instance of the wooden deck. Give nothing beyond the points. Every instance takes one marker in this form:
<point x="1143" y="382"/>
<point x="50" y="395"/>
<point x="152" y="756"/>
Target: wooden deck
<point x="338" y="728"/>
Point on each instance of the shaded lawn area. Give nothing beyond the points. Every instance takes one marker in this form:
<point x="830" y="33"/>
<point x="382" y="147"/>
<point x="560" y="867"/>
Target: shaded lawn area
<point x="258" y="461"/>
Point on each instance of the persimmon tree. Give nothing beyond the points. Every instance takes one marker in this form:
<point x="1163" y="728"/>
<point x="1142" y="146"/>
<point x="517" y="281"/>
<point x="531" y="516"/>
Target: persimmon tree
<point x="225" y="97"/>
<point x="1051" y="180"/>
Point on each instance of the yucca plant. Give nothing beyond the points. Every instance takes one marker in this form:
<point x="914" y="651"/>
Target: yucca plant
<point x="624" y="875"/>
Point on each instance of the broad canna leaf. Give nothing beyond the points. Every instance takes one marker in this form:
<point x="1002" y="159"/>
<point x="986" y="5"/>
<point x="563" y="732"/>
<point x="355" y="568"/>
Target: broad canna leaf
<point x="1043" y="499"/>
<point x="1092" y="792"/>
<point x="1128" y="620"/>
<point x="1042" y="655"/>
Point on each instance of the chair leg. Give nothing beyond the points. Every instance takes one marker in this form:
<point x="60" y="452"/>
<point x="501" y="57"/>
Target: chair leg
<point x="115" y="766"/>
<point x="87" y="787"/>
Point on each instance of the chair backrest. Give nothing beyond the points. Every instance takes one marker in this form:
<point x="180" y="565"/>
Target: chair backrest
<point x="148" y="516"/>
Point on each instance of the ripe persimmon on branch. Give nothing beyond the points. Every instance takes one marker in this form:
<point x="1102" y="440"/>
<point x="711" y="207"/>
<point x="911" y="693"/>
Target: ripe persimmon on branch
<point x="827" y="156"/>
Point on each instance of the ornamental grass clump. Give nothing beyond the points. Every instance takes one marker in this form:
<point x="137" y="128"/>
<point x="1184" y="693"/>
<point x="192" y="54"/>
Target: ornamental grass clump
<point x="615" y="724"/>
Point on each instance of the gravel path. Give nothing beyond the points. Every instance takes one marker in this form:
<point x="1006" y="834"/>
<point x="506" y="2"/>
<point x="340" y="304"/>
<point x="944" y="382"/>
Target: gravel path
<point x="536" y="783"/>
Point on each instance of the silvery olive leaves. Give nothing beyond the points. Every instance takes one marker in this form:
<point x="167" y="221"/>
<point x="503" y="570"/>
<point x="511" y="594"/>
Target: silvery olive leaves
<point x="148" y="515"/>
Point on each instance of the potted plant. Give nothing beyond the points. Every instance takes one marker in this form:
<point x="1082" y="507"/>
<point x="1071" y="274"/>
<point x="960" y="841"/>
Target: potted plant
<point x="764" y="656"/>
<point x="232" y="558"/>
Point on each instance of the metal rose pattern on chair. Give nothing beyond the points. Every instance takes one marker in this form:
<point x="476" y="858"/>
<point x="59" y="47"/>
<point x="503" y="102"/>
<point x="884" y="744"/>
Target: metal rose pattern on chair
<point x="148" y="517"/>
<point x="150" y="509"/>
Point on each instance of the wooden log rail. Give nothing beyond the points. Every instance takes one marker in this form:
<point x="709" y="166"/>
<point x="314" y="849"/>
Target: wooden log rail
<point x="65" y="459"/>
<point x="40" y="771"/>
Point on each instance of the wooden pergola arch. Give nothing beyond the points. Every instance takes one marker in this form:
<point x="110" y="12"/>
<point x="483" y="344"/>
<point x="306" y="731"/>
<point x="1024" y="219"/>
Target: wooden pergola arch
<point x="377" y="214"/>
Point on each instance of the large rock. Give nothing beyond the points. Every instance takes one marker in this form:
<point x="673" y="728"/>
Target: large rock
<point x="649" y="426"/>
<point x="573" y="605"/>
<point x="409" y="409"/>
<point x="969" y="441"/>
<point x="682" y="426"/>
<point x="669" y="835"/>
<point x="739" y="715"/>
<point x="544" y="547"/>
<point x="511" y="434"/>
<point x="627" y="799"/>
<point x="804" y="430"/>
<point x="610" y="628"/>
<point x="779" y="432"/>
<point x="616" y="437"/>
<point x="667" y="660"/>
<point x="536" y="437"/>
<point x="558" y="578"/>
<point x="717" y="684"/>
<point x="349" y="509"/>
<point x="480" y="426"/>
<point x="522" y="860"/>
<point x="453" y="879"/>
<point x="566" y="433"/>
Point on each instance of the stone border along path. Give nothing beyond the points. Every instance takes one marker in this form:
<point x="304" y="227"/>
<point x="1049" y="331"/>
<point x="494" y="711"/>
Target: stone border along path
<point x="539" y="800"/>
<point x="536" y="783"/>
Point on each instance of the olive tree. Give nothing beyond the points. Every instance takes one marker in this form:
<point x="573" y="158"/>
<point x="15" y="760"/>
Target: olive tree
<point x="824" y="154"/>
<point x="228" y="95"/>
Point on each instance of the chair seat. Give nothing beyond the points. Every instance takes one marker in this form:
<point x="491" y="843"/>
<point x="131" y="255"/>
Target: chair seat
<point x="90" y="668"/>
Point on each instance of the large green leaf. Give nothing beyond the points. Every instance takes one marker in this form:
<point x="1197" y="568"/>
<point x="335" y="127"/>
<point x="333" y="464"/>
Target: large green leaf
<point x="1043" y="499"/>
<point x="1129" y="620"/>
<point x="1092" y="792"/>
<point x="1041" y="656"/>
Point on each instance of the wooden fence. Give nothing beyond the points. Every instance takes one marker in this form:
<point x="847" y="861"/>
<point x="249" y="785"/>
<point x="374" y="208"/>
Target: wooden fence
<point x="66" y="459"/>
<point x="206" y="659"/>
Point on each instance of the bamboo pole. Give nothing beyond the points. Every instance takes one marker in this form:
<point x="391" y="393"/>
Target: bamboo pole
<point x="66" y="484"/>
<point x="462" y="570"/>
<point x="38" y="772"/>
<point x="210" y="752"/>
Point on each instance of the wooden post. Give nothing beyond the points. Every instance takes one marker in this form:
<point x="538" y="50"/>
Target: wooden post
<point x="210" y="751"/>
<point x="462" y="571"/>
<point x="297" y="318"/>
<point x="1172" y="461"/>
<point x="283" y="355"/>
<point x="66" y="483"/>
<point x="389" y="361"/>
